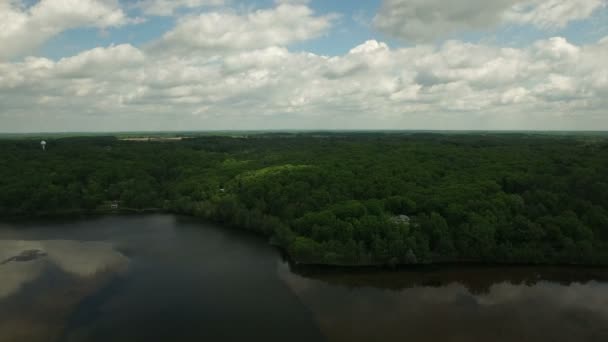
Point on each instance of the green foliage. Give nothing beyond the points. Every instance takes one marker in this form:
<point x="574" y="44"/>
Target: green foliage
<point x="337" y="198"/>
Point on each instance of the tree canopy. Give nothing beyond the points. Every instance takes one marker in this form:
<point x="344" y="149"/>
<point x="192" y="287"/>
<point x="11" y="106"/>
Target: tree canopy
<point x="332" y="198"/>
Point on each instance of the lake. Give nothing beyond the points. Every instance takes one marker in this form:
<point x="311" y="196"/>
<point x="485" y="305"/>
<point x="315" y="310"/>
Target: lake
<point x="169" y="278"/>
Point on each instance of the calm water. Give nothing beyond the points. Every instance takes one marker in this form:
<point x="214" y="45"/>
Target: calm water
<point x="165" y="278"/>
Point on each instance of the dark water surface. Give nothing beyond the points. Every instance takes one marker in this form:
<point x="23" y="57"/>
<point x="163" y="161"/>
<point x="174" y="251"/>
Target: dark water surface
<point x="166" y="278"/>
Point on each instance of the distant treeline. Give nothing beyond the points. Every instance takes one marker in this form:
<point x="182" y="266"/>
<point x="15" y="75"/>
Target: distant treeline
<point x="342" y="199"/>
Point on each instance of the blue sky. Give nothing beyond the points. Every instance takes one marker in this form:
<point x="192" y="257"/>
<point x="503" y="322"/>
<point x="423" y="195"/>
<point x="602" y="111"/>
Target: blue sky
<point x="318" y="64"/>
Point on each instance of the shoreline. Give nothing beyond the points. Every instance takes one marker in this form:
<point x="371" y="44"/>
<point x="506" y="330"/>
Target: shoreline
<point x="304" y="266"/>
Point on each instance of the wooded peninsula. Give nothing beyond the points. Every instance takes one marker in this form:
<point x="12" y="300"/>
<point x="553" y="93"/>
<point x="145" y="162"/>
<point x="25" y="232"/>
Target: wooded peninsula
<point x="340" y="198"/>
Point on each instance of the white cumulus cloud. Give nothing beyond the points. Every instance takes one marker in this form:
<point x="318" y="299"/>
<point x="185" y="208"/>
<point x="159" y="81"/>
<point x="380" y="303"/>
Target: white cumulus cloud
<point x="213" y="32"/>
<point x="457" y="84"/>
<point x="427" y="20"/>
<point x="229" y="69"/>
<point x="24" y="28"/>
<point x="169" y="7"/>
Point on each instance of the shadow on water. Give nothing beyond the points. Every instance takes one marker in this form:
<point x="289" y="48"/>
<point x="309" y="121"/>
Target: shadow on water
<point x="476" y="278"/>
<point x="89" y="309"/>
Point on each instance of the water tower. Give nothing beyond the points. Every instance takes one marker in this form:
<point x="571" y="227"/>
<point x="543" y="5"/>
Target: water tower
<point x="43" y="144"/>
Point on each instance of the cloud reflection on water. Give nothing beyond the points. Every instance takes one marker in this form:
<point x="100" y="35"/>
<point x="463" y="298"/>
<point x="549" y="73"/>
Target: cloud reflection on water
<point x="81" y="259"/>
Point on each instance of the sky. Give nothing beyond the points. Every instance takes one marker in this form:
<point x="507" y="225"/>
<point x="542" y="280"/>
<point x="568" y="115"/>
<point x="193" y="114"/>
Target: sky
<point x="175" y="65"/>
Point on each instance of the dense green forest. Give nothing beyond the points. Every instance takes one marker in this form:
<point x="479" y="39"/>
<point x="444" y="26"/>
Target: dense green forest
<point x="341" y="198"/>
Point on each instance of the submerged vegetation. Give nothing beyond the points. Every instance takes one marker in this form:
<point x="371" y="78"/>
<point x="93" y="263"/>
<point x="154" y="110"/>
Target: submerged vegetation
<point x="341" y="199"/>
